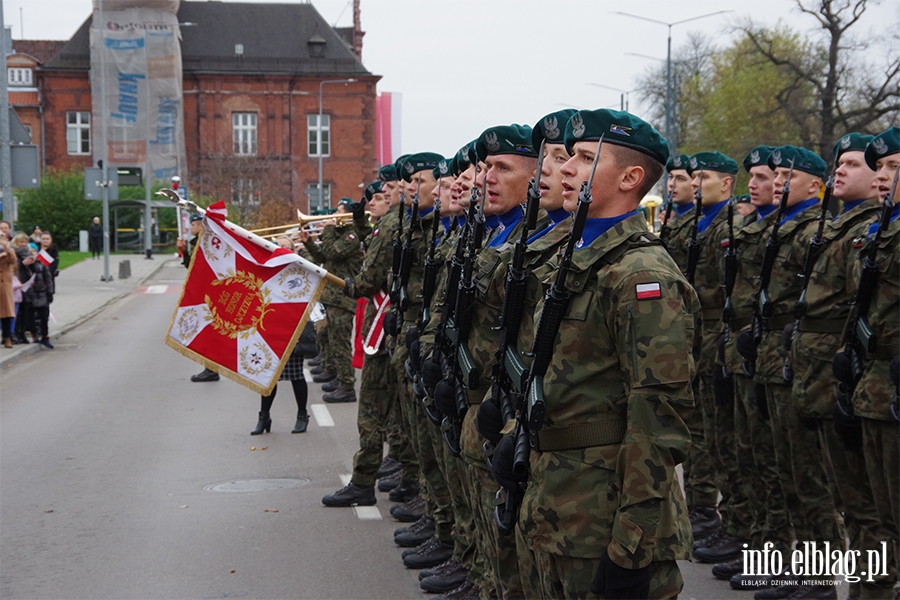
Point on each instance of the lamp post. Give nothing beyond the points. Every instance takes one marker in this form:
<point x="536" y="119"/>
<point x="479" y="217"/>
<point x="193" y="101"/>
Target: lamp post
<point x="319" y="129"/>
<point x="623" y="94"/>
<point x="670" y="91"/>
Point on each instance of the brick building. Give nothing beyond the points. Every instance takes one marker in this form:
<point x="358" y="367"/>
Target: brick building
<point x="252" y="78"/>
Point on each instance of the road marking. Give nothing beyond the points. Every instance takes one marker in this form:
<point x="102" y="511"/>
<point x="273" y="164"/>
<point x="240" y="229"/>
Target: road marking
<point x="323" y="417"/>
<point x="307" y="375"/>
<point x="363" y="513"/>
<point x="157" y="289"/>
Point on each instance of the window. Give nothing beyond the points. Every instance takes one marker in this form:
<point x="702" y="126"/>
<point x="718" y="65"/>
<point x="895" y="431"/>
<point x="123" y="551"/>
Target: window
<point x="319" y="135"/>
<point x="316" y="203"/>
<point x="245" y="192"/>
<point x="78" y="132"/>
<point x="244" y="133"/>
<point x="18" y="76"/>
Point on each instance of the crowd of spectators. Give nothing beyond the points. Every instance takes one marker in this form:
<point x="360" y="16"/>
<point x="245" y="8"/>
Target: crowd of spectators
<point x="28" y="270"/>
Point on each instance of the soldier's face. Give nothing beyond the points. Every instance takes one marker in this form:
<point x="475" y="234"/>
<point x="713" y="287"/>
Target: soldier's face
<point x="442" y="190"/>
<point x="578" y="169"/>
<point x="424" y="182"/>
<point x="378" y="205"/>
<point x="853" y="179"/>
<point x="463" y="186"/>
<point x="761" y="186"/>
<point x="196" y="227"/>
<point x="679" y="186"/>
<point x="885" y="168"/>
<point x="392" y="191"/>
<point x="803" y="185"/>
<point x="507" y="180"/>
<point x="715" y="186"/>
<point x="555" y="156"/>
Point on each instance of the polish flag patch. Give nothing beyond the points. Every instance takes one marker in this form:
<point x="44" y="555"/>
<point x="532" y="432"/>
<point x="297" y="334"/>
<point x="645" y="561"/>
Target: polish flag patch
<point x="725" y="243"/>
<point x="45" y="258"/>
<point x="648" y="291"/>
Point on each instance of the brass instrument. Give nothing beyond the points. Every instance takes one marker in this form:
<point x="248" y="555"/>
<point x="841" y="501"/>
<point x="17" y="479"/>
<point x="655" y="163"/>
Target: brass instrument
<point x="650" y="207"/>
<point x="305" y="223"/>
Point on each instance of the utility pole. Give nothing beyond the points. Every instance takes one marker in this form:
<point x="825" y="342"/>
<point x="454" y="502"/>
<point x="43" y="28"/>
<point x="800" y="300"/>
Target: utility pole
<point x="9" y="203"/>
<point x="104" y="160"/>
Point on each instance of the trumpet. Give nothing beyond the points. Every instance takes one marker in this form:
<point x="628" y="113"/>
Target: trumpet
<point x="649" y="206"/>
<point x="304" y="222"/>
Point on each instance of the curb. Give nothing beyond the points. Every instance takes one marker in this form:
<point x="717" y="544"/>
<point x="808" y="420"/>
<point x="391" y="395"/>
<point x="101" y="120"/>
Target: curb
<point x="27" y="350"/>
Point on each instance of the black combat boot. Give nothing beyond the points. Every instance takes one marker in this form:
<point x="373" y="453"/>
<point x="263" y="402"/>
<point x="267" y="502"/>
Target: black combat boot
<point x="351" y="494"/>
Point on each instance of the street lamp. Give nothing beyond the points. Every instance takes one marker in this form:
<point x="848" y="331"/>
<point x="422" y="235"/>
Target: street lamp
<point x="319" y="129"/>
<point x="623" y="94"/>
<point x="670" y="92"/>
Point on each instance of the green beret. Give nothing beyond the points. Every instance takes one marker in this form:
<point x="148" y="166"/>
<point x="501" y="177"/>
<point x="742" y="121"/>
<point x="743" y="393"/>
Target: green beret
<point x="444" y="168"/>
<point x="419" y="162"/>
<point x="617" y="127"/>
<point x="712" y="161"/>
<point x="804" y="160"/>
<point x="505" y="139"/>
<point x="551" y="129"/>
<point x="759" y="156"/>
<point x="884" y="144"/>
<point x="398" y="165"/>
<point x="345" y="202"/>
<point x="851" y="141"/>
<point x="373" y="188"/>
<point x="742" y="199"/>
<point x="388" y="173"/>
<point x="679" y="161"/>
<point x="196" y="217"/>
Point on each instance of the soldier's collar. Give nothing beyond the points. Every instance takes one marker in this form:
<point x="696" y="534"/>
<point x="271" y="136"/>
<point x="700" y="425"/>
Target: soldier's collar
<point x="584" y="259"/>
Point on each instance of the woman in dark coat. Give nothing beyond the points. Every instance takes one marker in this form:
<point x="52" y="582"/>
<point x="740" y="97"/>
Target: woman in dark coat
<point x="95" y="238"/>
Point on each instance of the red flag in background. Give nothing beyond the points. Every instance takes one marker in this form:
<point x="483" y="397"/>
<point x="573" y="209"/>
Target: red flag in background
<point x="358" y="354"/>
<point x="244" y="304"/>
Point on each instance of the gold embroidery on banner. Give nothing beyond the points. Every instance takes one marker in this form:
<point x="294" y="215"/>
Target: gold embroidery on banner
<point x="256" y="361"/>
<point x="294" y="282"/>
<point x="240" y="307"/>
<point x="188" y="324"/>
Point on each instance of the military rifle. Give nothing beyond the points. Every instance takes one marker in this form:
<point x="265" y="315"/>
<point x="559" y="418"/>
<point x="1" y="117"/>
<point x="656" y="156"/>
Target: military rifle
<point x="730" y="273"/>
<point x="531" y="418"/>
<point x="816" y="244"/>
<point x="429" y="280"/>
<point x="407" y="254"/>
<point x="398" y="254"/>
<point x="762" y="304"/>
<point x="666" y="231"/>
<point x="861" y="340"/>
<point x="695" y="244"/>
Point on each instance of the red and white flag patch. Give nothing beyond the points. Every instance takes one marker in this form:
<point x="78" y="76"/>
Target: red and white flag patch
<point x="648" y="291"/>
<point x="45" y="258"/>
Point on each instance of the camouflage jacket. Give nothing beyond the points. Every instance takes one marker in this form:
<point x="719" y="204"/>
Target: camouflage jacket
<point x="827" y="308"/>
<point x="420" y="240"/>
<point x="785" y="288"/>
<point x="871" y="399"/>
<point x="443" y="254"/>
<point x="709" y="283"/>
<point x="678" y="234"/>
<point x="341" y="256"/>
<point x="623" y="365"/>
<point x="373" y="275"/>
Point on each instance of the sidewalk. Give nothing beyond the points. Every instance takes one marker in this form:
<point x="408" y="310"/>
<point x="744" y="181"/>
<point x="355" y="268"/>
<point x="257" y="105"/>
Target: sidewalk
<point x="80" y="295"/>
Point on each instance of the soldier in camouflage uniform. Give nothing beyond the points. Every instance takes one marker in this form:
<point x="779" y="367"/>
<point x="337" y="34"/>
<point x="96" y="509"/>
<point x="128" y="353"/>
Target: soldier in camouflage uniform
<point x="754" y="443"/>
<point x="676" y="231"/>
<point x="817" y="340"/>
<point x="798" y="454"/>
<point x="877" y="389"/>
<point x="606" y="514"/>
<point x="341" y="254"/>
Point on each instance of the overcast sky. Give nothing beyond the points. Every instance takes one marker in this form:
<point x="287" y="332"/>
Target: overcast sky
<point x="465" y="65"/>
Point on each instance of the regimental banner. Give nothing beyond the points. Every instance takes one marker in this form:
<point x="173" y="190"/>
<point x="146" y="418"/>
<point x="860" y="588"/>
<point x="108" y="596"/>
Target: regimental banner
<point x="243" y="306"/>
<point x="136" y="59"/>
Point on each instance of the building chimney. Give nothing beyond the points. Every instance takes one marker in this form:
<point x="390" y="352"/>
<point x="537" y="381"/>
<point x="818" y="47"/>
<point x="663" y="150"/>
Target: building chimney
<point x="358" y="33"/>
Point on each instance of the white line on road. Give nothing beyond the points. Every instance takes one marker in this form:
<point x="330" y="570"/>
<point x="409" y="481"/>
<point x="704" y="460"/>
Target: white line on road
<point x="157" y="289"/>
<point x="323" y="417"/>
<point x="363" y="513"/>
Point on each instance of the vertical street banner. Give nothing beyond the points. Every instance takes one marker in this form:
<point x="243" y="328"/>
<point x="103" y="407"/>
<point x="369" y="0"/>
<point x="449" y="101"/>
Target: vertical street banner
<point x="243" y="305"/>
<point x="136" y="60"/>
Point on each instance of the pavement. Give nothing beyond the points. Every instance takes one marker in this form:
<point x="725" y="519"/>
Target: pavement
<point x="81" y="294"/>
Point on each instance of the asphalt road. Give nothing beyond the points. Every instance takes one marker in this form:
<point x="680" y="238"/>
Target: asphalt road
<point x="106" y="449"/>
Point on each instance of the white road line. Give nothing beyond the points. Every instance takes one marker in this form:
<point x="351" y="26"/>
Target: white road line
<point x="323" y="417"/>
<point x="307" y="375"/>
<point x="363" y="513"/>
<point x="157" y="289"/>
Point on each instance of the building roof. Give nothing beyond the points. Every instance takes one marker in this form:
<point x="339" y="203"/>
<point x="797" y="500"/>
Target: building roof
<point x="41" y="50"/>
<point x="274" y="37"/>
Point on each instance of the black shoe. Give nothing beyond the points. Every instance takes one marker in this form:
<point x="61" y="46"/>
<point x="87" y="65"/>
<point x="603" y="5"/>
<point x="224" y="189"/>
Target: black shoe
<point x="340" y="396"/>
<point x="703" y="520"/>
<point x="388" y="466"/>
<point x="776" y="592"/>
<point x="323" y="377"/>
<point x="45" y="342"/>
<point x="416" y="533"/>
<point x="302" y="423"/>
<point x="331" y="386"/>
<point x="726" y="570"/>
<point x="264" y="424"/>
<point x="404" y="492"/>
<point x="466" y="591"/>
<point x="723" y="550"/>
<point x="750" y="582"/>
<point x="445" y="567"/>
<point x="351" y="494"/>
<point x="429" y="557"/>
<point x="406" y="528"/>
<point x="709" y="539"/>
<point x="426" y="545"/>
<point x="386" y="484"/>
<point x="315" y="361"/>
<point x="317" y="370"/>
<point x="446" y="581"/>
<point x="410" y="511"/>
<point x="205" y="375"/>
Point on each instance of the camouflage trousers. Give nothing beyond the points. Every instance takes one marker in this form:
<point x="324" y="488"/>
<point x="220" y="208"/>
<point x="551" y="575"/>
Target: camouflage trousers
<point x="500" y="551"/>
<point x="431" y="464"/>
<point x="856" y="501"/>
<point x="336" y="343"/>
<point x="881" y="447"/>
<point x="756" y="460"/>
<point x="801" y="465"/>
<point x="378" y="410"/>
<point x="699" y="474"/>
<point x="568" y="577"/>
<point x="465" y="546"/>
<point x="407" y="415"/>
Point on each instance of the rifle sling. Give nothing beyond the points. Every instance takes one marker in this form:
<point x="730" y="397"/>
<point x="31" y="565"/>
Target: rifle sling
<point x="712" y="314"/>
<point x="778" y="322"/>
<point x="822" y="325"/>
<point x="584" y="435"/>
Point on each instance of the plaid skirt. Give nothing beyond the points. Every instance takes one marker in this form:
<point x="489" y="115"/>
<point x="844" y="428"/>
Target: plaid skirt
<point x="293" y="369"/>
